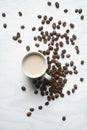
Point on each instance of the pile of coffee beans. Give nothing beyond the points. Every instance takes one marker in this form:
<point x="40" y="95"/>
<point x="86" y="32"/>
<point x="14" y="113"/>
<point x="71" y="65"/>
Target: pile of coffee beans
<point x="55" y="51"/>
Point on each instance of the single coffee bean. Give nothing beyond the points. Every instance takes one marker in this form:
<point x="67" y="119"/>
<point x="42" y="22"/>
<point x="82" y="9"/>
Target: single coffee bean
<point x="22" y="26"/>
<point x="36" y="92"/>
<point x="64" y="24"/>
<point x="40" y="107"/>
<point x="28" y="114"/>
<point x="43" y="21"/>
<point x="20" y="13"/>
<point x="19" y="41"/>
<point x="73" y="90"/>
<point x="76" y="10"/>
<point x="46" y="103"/>
<point x="81" y="79"/>
<point x="49" y="3"/>
<point x="5" y="25"/>
<point x="67" y="55"/>
<point x="75" y="86"/>
<point x="67" y="31"/>
<point x="56" y="4"/>
<point x="31" y="109"/>
<point x="14" y="38"/>
<point x="65" y="10"/>
<point x="35" y="38"/>
<point x="71" y="63"/>
<point x="3" y="15"/>
<point x="34" y="28"/>
<point x="28" y="48"/>
<point x="80" y="11"/>
<point x="72" y="25"/>
<point x="82" y="62"/>
<point x="18" y="35"/>
<point x="37" y="44"/>
<point x="39" y="16"/>
<point x="82" y="17"/>
<point x="50" y="18"/>
<point x="59" y="22"/>
<point x="63" y="118"/>
<point x="68" y="92"/>
<point x="23" y="88"/>
<point x="40" y="28"/>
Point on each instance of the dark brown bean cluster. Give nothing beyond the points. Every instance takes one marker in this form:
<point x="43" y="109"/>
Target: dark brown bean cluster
<point x="17" y="37"/>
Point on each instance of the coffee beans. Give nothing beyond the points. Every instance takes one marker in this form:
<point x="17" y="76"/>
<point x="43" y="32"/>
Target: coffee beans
<point x="5" y="25"/>
<point x="31" y="109"/>
<point x="56" y="4"/>
<point x="63" y="118"/>
<point x="49" y="3"/>
<point x="65" y="10"/>
<point x="82" y="62"/>
<point x="22" y="26"/>
<point x="37" y="44"/>
<point x="34" y="28"/>
<point x="81" y="79"/>
<point x="3" y="14"/>
<point x="39" y="16"/>
<point x="46" y="103"/>
<point x="68" y="92"/>
<point x="82" y="17"/>
<point x="19" y="41"/>
<point x="28" y="114"/>
<point x="20" y="13"/>
<point x="40" y="107"/>
<point x="23" y="88"/>
<point x="28" y="48"/>
<point x="71" y="25"/>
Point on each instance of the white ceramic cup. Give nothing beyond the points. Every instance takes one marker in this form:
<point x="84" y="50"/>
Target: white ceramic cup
<point x="43" y="71"/>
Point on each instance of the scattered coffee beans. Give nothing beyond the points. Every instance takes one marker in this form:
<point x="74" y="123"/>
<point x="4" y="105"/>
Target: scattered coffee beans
<point x="3" y="15"/>
<point x="23" y="88"/>
<point x="40" y="107"/>
<point x="49" y="3"/>
<point x="28" y="48"/>
<point x="5" y="25"/>
<point x="20" y="13"/>
<point x="56" y="4"/>
<point x="63" y="118"/>
<point x="28" y="114"/>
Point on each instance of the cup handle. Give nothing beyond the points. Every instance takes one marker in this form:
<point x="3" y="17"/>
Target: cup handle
<point x="47" y="76"/>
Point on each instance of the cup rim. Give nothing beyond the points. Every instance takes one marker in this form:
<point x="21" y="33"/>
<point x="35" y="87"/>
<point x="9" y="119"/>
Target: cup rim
<point x="43" y="72"/>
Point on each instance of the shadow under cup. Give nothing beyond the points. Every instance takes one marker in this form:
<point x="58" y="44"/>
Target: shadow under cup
<point x="34" y="65"/>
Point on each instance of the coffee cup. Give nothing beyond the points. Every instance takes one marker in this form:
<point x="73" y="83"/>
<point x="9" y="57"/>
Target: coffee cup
<point x="34" y="65"/>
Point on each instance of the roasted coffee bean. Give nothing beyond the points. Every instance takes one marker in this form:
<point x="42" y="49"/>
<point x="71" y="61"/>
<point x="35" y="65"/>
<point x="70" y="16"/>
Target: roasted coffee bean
<point x="20" y="13"/>
<point x="81" y="79"/>
<point x="19" y="41"/>
<point x="40" y="28"/>
<point x="37" y="44"/>
<point x="64" y="24"/>
<point x="61" y="95"/>
<point x="73" y="90"/>
<point x="39" y="16"/>
<point x="58" y="27"/>
<point x="34" y="28"/>
<point x="61" y="44"/>
<point x="82" y="62"/>
<point x="3" y="14"/>
<point x="63" y="118"/>
<point x="47" y="21"/>
<point x="67" y="31"/>
<point x="54" y="25"/>
<point x="28" y="114"/>
<point x="76" y="10"/>
<point x="67" y="55"/>
<point x="75" y="72"/>
<point x="71" y="63"/>
<point x="45" y="17"/>
<point x="68" y="92"/>
<point x="56" y="95"/>
<point x="46" y="103"/>
<point x="75" y="86"/>
<point x="43" y="21"/>
<point x="65" y="10"/>
<point x="80" y="11"/>
<point x="40" y="107"/>
<point x="82" y="17"/>
<point x="47" y="51"/>
<point x="72" y="25"/>
<point x="28" y="48"/>
<point x="35" y="38"/>
<point x="50" y="48"/>
<point x="72" y="43"/>
<point x="56" y="4"/>
<point x="49" y="3"/>
<point x="36" y="92"/>
<point x="23" y="88"/>
<point x="50" y="18"/>
<point x="74" y="67"/>
<point x="22" y="26"/>
<point x="74" y="36"/>
<point x="59" y="22"/>
<point x="31" y="109"/>
<point x="5" y="25"/>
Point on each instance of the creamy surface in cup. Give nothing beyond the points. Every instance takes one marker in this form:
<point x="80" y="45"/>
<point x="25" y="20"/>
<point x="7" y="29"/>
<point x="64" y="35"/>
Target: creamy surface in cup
<point x="34" y="64"/>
